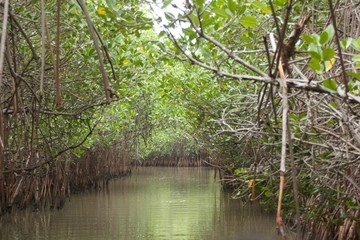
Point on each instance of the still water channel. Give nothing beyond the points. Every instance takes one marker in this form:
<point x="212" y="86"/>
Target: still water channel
<point x="152" y="204"/>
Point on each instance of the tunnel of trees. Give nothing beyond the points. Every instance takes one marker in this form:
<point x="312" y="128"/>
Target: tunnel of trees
<point x="265" y="91"/>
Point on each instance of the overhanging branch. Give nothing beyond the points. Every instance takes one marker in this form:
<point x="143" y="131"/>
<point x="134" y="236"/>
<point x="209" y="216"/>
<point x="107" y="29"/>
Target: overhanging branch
<point x="296" y="83"/>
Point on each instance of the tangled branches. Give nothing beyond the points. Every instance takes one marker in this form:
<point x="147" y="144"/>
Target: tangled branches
<point x="307" y="110"/>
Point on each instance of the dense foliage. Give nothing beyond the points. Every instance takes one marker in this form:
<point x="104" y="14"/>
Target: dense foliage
<point x="259" y="89"/>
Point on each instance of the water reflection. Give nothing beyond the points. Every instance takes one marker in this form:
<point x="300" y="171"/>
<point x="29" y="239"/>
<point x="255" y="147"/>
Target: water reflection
<point x="154" y="203"/>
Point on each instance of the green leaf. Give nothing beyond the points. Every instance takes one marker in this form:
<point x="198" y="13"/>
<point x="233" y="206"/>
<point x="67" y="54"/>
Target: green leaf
<point x="169" y="16"/>
<point x="111" y="2"/>
<point x="330" y="84"/>
<point x="315" y="64"/>
<point x="355" y="43"/>
<point x="354" y="75"/>
<point x="232" y="6"/>
<point x="328" y="53"/>
<point x="190" y="33"/>
<point x="303" y="116"/>
<point x="195" y="19"/>
<point x="267" y="194"/>
<point x="228" y="12"/>
<point x="330" y="31"/>
<point x="220" y="12"/>
<point x="207" y="20"/>
<point x="206" y="54"/>
<point x="307" y="39"/>
<point x="325" y="155"/>
<point x="345" y="43"/>
<point x="162" y="33"/>
<point x="263" y="7"/>
<point x="315" y="51"/>
<point x="280" y="3"/>
<point x="166" y="3"/>
<point x="248" y="21"/>
<point x="199" y="2"/>
<point x="356" y="58"/>
<point x="326" y="35"/>
<point x="333" y="104"/>
<point x="324" y="38"/>
<point x="293" y="117"/>
<point x="316" y="38"/>
<point x="242" y="9"/>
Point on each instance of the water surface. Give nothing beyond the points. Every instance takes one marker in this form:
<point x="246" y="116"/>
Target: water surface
<point x="152" y="204"/>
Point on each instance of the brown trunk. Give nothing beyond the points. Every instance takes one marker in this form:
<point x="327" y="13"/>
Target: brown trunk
<point x="57" y="49"/>
<point x="2" y="159"/>
<point x="279" y="221"/>
<point x="295" y="186"/>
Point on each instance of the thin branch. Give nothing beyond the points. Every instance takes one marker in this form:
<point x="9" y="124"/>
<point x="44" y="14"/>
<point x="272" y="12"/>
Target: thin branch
<point x="53" y="158"/>
<point x="350" y="180"/>
<point x="96" y="43"/>
<point x="34" y="55"/>
<point x="105" y="49"/>
<point x="294" y="37"/>
<point x="303" y="84"/>
<point x="18" y="77"/>
<point x="231" y="54"/>
<point x="268" y="55"/>
<point x="343" y="71"/>
<point x="74" y="114"/>
<point x="58" y="102"/>
<point x="280" y="46"/>
<point x="43" y="40"/>
<point x="261" y="98"/>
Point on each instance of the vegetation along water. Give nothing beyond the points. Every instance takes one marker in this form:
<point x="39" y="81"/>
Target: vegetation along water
<point x="153" y="203"/>
<point x="266" y="92"/>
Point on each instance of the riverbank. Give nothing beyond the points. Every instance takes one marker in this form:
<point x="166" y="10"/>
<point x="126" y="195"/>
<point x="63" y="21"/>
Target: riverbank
<point x="49" y="185"/>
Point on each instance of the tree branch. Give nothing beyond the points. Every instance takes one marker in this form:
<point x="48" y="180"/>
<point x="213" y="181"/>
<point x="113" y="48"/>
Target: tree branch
<point x="302" y="84"/>
<point x="201" y="33"/>
<point x="53" y="158"/>
<point x="96" y="43"/>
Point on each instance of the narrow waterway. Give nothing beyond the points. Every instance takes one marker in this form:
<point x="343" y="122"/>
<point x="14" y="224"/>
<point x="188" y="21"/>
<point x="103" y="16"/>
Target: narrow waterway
<point x="152" y="204"/>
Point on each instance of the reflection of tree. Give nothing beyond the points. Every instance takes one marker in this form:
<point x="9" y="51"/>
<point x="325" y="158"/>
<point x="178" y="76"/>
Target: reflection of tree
<point x="304" y="96"/>
<point x="237" y="220"/>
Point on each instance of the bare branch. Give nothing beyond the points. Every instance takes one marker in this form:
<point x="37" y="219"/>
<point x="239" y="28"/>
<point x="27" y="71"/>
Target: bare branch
<point x="3" y="38"/>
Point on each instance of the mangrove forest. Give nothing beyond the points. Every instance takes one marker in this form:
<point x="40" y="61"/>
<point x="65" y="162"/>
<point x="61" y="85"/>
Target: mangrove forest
<point x="264" y="92"/>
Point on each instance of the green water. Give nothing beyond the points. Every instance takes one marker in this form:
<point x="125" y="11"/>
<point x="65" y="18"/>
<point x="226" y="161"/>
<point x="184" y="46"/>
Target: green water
<point x="153" y="203"/>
